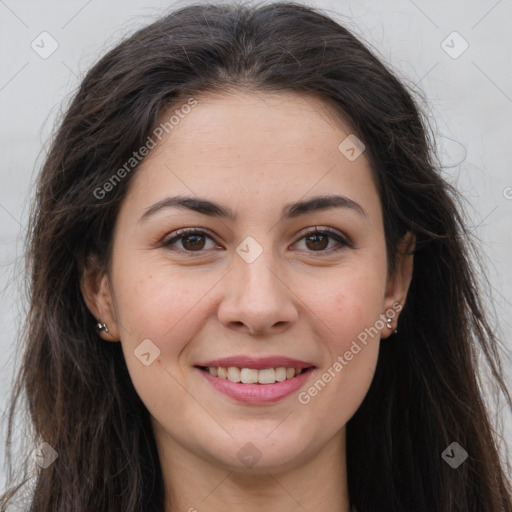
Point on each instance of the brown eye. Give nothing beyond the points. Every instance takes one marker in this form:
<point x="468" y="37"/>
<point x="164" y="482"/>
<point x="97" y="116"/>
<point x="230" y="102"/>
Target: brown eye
<point x="318" y="240"/>
<point x="192" y="240"/>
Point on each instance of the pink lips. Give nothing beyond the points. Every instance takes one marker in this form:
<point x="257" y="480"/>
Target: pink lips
<point x="257" y="393"/>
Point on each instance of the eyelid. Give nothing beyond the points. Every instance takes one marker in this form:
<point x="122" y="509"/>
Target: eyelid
<point x="329" y="231"/>
<point x="342" y="240"/>
<point x="179" y="233"/>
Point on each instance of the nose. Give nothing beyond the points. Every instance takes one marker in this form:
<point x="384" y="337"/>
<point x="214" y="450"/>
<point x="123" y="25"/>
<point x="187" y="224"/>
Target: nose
<point x="257" y="300"/>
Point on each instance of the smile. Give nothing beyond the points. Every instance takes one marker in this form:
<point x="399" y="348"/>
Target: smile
<point x="252" y="375"/>
<point x="256" y="387"/>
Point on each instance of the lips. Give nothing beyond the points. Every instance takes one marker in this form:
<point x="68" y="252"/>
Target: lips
<point x="256" y="380"/>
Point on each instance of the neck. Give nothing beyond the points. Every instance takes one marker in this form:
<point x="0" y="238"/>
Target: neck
<point x="194" y="484"/>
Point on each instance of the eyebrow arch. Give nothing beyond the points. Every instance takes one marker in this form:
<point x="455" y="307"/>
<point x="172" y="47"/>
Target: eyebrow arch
<point x="290" y="210"/>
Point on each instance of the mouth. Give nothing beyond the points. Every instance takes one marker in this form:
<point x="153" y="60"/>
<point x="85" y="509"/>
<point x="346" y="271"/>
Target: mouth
<point x="263" y="376"/>
<point x="256" y="386"/>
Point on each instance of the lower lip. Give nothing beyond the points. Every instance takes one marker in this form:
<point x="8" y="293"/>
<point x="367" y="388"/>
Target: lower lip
<point x="257" y="393"/>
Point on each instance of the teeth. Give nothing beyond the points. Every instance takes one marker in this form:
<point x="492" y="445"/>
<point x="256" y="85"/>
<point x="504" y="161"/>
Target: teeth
<point x="249" y="376"/>
<point x="267" y="376"/>
<point x="253" y="376"/>
<point x="234" y="374"/>
<point x="280" y="374"/>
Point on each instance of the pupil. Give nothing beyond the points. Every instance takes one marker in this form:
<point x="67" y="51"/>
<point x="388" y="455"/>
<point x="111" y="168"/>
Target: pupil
<point x="195" y="239"/>
<point x="316" y="237"/>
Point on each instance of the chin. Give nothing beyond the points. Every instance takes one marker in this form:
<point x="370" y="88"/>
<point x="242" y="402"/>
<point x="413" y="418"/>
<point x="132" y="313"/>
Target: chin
<point x="260" y="453"/>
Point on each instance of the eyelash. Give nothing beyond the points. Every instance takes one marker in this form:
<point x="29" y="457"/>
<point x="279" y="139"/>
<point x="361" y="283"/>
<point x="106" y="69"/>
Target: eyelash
<point x="185" y="232"/>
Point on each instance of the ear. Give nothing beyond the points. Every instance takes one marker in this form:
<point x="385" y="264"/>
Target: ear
<point x="96" y="291"/>
<point x="398" y="284"/>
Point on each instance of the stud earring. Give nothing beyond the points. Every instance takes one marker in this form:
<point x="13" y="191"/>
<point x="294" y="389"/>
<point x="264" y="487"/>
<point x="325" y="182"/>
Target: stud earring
<point x="102" y="327"/>
<point x="389" y="325"/>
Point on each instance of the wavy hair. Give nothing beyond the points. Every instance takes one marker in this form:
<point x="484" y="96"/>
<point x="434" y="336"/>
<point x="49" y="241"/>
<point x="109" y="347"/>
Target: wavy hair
<point x="427" y="390"/>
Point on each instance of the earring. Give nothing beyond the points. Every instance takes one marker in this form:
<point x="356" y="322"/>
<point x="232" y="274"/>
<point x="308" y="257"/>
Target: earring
<point x="102" y="327"/>
<point x="389" y="325"/>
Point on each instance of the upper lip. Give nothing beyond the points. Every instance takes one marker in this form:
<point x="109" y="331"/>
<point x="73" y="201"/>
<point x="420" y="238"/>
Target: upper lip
<point x="257" y="363"/>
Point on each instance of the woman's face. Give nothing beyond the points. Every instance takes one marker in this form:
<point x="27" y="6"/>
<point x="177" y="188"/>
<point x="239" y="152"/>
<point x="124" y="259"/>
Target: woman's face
<point x="318" y="303"/>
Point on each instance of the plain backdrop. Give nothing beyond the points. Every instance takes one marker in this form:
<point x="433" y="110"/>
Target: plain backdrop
<point x="457" y="52"/>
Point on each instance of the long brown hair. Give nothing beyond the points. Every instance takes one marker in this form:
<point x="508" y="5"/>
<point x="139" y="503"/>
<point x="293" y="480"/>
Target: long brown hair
<point x="426" y="392"/>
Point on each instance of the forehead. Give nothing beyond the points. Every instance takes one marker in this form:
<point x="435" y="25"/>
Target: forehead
<point x="245" y="144"/>
<point x="284" y="120"/>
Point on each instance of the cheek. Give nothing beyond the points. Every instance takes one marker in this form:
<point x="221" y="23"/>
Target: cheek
<point x="350" y="308"/>
<point x="159" y="305"/>
<point x="165" y="305"/>
<point x="158" y="302"/>
<point x="347" y="303"/>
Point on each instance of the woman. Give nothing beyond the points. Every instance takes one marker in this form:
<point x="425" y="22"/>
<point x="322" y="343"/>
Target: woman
<point x="251" y="289"/>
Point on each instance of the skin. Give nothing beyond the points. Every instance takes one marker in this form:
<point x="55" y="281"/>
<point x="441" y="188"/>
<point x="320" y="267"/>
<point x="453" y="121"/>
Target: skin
<point x="253" y="153"/>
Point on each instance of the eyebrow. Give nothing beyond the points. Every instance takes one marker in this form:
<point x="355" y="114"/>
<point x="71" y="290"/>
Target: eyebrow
<point x="290" y="210"/>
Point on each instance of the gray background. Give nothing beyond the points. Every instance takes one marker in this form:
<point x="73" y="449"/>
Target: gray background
<point x="469" y="102"/>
